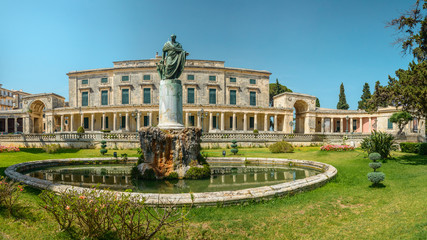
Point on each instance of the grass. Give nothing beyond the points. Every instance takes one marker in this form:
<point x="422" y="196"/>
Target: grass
<point x="345" y="208"/>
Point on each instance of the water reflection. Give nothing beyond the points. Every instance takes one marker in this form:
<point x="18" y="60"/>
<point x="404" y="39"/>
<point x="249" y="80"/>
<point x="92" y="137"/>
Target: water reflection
<point x="223" y="178"/>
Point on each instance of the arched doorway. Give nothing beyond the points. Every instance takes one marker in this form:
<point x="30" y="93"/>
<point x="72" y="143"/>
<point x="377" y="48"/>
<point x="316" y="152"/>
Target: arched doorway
<point x="300" y="108"/>
<point x="36" y="114"/>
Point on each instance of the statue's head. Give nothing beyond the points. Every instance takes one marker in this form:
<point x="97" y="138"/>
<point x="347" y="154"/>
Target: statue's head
<point x="173" y="36"/>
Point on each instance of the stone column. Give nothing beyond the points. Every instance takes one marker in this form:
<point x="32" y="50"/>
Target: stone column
<point x="138" y="121"/>
<point x="127" y="121"/>
<point x="103" y="121"/>
<point x="234" y="121"/>
<point x="322" y="125"/>
<point x="199" y="121"/>
<point x="266" y="122"/>
<point x="360" y="125"/>
<point x="150" y="119"/>
<point x="92" y="119"/>
<point x="6" y="125"/>
<point x="81" y="119"/>
<point x="255" y="121"/>
<point x="62" y="123"/>
<point x="210" y="122"/>
<point x="222" y="121"/>
<point x="186" y="119"/>
<point x="114" y="121"/>
<point x="170" y="104"/>
<point x="71" y="122"/>
<point x="275" y="122"/>
<point x="245" y="122"/>
<point x="341" y="125"/>
<point x="351" y="125"/>
<point x="52" y="124"/>
<point x="370" y="124"/>
<point x="284" y="123"/>
<point x="15" y="124"/>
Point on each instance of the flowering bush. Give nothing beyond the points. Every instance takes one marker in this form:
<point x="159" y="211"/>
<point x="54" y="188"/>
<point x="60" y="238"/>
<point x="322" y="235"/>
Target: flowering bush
<point x="10" y="191"/>
<point x="108" y="214"/>
<point x="337" y="148"/>
<point x="8" y="149"/>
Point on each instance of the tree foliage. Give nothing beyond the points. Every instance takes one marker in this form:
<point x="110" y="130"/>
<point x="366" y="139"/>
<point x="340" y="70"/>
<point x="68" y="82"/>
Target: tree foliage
<point x="317" y="102"/>
<point x="276" y="89"/>
<point x="366" y="95"/>
<point x="401" y="119"/>
<point x="342" y="102"/>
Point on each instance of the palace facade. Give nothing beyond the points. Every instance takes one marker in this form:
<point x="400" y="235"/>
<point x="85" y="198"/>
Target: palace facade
<point x="216" y="98"/>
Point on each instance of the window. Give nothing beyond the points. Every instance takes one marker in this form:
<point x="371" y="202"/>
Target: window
<point x="389" y="124"/>
<point x="147" y="77"/>
<point x="104" y="97"/>
<point x="191" y="119"/>
<point x="190" y="77"/>
<point x="190" y="95"/>
<point x="147" y="95"/>
<point x="125" y="96"/>
<point x="252" y="98"/>
<point x="354" y="125"/>
<point x="212" y="96"/>
<point x="104" y="80"/>
<point x="232" y="97"/>
<point x="252" y="81"/>
<point x="232" y="79"/>
<point x="86" y="122"/>
<point x="251" y="122"/>
<point x="85" y="98"/>
<point x="85" y="81"/>
<point x="123" y="123"/>
<point x="231" y="122"/>
<point x="212" y="78"/>
<point x="146" y="121"/>
<point x="125" y="78"/>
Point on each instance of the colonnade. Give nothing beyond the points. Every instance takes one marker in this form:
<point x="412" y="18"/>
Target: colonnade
<point x="346" y="124"/>
<point x="14" y="126"/>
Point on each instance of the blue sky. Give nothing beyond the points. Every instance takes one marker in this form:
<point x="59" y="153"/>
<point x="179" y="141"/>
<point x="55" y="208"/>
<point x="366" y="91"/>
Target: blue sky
<point x="310" y="46"/>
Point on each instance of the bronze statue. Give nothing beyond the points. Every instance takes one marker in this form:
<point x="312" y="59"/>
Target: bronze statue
<point x="173" y="60"/>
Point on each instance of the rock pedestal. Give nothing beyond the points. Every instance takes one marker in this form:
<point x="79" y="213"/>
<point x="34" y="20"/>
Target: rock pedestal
<point x="167" y="151"/>
<point x="170" y="104"/>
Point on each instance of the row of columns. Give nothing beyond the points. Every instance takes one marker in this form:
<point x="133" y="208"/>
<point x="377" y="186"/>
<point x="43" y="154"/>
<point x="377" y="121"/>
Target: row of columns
<point x="348" y="124"/>
<point x="15" y="124"/>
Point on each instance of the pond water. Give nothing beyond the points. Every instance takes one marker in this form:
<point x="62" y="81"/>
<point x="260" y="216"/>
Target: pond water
<point x="225" y="177"/>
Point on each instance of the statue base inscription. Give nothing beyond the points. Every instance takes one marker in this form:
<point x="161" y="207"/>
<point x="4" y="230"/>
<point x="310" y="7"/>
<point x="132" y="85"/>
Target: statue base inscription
<point x="170" y="104"/>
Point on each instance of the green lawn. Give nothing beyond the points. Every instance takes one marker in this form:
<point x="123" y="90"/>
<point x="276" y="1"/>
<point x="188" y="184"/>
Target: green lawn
<point x="345" y="208"/>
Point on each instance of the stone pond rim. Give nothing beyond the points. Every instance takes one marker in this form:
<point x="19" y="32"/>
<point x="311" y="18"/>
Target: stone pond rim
<point x="198" y="199"/>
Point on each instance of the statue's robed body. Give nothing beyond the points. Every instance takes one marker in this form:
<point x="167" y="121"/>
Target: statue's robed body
<point x="173" y="62"/>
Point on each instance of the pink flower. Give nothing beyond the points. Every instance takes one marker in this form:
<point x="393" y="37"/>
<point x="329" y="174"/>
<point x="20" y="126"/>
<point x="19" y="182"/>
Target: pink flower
<point x="67" y="208"/>
<point x="82" y="197"/>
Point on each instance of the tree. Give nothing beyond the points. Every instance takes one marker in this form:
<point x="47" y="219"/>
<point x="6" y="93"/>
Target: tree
<point x="276" y="89"/>
<point x="342" y="102"/>
<point x="407" y="24"/>
<point x="317" y="102"/>
<point x="409" y="89"/>
<point x="366" y="95"/>
<point x="401" y="119"/>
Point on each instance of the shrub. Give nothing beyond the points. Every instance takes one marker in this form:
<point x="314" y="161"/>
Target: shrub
<point x="10" y="191"/>
<point x="109" y="215"/>
<point x="103" y="145"/>
<point x="281" y="147"/>
<point x="409" y="147"/>
<point x="8" y="149"/>
<point x="375" y="165"/>
<point x="337" y="148"/>
<point x="374" y="156"/>
<point x="256" y="131"/>
<point x="198" y="172"/>
<point x="149" y="174"/>
<point x="234" y="149"/>
<point x="51" y="148"/>
<point x="379" y="142"/>
<point x="422" y="150"/>
<point x="172" y="176"/>
<point x="376" y="177"/>
<point x="80" y="130"/>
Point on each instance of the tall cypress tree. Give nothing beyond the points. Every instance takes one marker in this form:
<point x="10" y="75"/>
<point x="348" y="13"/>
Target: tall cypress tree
<point x="342" y="102"/>
<point x="366" y="95"/>
<point x="317" y="102"/>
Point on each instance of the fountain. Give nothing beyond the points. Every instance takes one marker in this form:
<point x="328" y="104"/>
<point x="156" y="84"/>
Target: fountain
<point x="170" y="147"/>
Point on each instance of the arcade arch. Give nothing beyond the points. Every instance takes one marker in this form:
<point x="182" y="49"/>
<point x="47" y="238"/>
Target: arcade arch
<point x="300" y="109"/>
<point x="36" y="114"/>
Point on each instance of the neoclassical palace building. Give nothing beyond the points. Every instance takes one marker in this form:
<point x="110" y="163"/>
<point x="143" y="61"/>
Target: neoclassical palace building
<point x="216" y="98"/>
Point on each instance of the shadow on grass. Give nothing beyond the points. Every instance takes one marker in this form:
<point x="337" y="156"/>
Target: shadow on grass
<point x="412" y="159"/>
<point x="40" y="150"/>
<point x="378" y="185"/>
